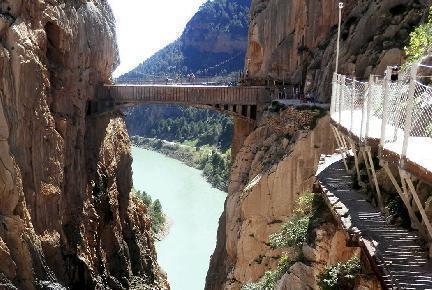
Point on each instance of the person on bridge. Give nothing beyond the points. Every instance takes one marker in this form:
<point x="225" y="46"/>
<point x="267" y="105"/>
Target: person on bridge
<point x="395" y="73"/>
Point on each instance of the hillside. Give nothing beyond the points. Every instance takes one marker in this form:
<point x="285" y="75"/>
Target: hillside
<point x="213" y="43"/>
<point x="181" y="124"/>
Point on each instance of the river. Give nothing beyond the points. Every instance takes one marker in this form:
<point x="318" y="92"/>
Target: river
<point x="193" y="208"/>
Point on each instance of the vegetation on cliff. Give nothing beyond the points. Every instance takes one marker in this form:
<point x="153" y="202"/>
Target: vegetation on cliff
<point x="215" y="164"/>
<point x="420" y="40"/>
<point x="309" y="213"/>
<point x="341" y="276"/>
<point x="155" y="213"/>
<point x="270" y="278"/>
<point x="292" y="234"/>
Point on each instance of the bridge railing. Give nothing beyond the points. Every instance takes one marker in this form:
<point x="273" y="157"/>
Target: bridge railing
<point x="194" y="95"/>
<point x="179" y="80"/>
<point x="396" y="114"/>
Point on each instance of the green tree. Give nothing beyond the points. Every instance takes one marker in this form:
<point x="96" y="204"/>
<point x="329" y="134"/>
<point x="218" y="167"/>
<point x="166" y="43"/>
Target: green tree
<point x="154" y="211"/>
<point x="420" y="40"/>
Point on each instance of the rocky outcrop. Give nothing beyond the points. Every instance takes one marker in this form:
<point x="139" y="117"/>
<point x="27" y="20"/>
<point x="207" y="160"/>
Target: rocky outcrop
<point x="276" y="164"/>
<point x="295" y="40"/>
<point x="65" y="211"/>
<point x="328" y="248"/>
<point x="213" y="43"/>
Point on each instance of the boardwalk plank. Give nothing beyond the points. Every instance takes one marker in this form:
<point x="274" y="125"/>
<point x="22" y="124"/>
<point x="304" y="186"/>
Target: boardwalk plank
<point x="396" y="250"/>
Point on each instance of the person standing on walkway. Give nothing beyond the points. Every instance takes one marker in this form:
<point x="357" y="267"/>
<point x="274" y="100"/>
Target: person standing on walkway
<point x="395" y="73"/>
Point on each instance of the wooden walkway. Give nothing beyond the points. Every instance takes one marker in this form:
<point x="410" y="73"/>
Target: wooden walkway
<point x="193" y="95"/>
<point x="240" y="101"/>
<point x="399" y="257"/>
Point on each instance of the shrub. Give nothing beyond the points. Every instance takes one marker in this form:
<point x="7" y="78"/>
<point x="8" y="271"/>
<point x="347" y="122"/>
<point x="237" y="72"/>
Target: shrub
<point x="305" y="204"/>
<point x="155" y="213"/>
<point x="420" y="40"/>
<point x="397" y="209"/>
<point x="216" y="168"/>
<point x="341" y="275"/>
<point x="270" y="278"/>
<point x="294" y="232"/>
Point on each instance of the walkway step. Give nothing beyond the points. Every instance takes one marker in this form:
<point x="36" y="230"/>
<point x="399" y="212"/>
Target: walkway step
<point x="398" y="252"/>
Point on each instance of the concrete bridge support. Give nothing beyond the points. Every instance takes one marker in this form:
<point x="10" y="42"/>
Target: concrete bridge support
<point x="242" y="129"/>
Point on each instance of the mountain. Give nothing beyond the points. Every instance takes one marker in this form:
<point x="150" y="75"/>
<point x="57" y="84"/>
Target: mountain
<point x="213" y="43"/>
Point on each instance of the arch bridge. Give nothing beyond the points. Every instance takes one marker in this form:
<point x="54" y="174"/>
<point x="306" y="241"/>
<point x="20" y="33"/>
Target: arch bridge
<point x="246" y="102"/>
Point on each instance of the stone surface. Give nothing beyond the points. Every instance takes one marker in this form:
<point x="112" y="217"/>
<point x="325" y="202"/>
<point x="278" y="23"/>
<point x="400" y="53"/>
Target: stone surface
<point x="328" y="248"/>
<point x="66" y="216"/>
<point x="274" y="177"/>
<point x="295" y="40"/>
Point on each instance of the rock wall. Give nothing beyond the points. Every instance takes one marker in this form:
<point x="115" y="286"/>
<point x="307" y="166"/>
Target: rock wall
<point x="328" y="248"/>
<point x="276" y="164"/>
<point x="65" y="211"/>
<point x="295" y="40"/>
<point x="242" y="129"/>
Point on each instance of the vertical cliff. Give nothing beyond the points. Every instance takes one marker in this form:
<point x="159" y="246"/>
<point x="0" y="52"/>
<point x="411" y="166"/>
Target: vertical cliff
<point x="295" y="40"/>
<point x="66" y="216"/>
<point x="275" y="165"/>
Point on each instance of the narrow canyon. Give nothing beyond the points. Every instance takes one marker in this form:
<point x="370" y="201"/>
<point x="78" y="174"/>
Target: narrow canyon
<point x="68" y="219"/>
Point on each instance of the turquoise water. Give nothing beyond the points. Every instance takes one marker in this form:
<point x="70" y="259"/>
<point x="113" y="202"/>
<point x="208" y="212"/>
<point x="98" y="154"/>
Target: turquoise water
<point x="193" y="208"/>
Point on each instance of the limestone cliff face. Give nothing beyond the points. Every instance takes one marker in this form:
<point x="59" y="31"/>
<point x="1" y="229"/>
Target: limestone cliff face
<point x="275" y="165"/>
<point x="295" y="40"/>
<point x="66" y="216"/>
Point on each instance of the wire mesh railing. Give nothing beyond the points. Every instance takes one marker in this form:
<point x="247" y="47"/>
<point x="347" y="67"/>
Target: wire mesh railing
<point x="396" y="113"/>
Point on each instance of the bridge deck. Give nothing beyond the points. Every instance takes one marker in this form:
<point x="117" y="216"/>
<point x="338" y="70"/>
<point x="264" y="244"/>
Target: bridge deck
<point x="192" y="95"/>
<point x="396" y="115"/>
<point x="397" y="253"/>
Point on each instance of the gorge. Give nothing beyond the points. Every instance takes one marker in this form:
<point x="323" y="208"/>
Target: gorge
<point x="68" y="219"/>
<point x="192" y="208"/>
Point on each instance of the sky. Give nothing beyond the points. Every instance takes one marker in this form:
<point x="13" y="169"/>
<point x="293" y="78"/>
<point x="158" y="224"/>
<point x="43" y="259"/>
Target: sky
<point x="145" y="26"/>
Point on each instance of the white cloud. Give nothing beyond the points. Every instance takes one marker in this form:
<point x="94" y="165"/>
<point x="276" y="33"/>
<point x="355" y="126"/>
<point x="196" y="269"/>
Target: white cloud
<point x="145" y="26"/>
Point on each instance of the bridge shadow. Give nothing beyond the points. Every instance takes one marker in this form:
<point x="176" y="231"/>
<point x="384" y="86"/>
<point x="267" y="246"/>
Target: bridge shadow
<point x="399" y="253"/>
